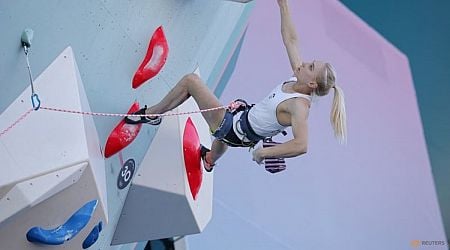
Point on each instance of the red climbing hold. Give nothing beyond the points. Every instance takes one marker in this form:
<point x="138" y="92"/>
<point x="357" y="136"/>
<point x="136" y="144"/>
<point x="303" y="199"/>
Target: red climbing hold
<point x="154" y="60"/>
<point x="191" y="153"/>
<point x="122" y="135"/>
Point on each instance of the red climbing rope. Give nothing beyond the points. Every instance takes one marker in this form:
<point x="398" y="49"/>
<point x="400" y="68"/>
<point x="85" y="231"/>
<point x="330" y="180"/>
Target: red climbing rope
<point x="16" y="122"/>
<point x="231" y="106"/>
<point x="123" y="115"/>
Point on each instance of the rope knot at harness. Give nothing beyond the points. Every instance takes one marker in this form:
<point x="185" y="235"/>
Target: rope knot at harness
<point x="236" y="104"/>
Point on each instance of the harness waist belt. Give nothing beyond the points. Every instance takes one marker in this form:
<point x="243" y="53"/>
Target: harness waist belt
<point x="247" y="129"/>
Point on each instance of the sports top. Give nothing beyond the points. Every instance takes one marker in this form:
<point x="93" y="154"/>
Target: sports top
<point x="263" y="115"/>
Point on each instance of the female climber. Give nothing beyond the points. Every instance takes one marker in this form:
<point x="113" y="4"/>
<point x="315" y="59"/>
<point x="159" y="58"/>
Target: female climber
<point x="243" y="125"/>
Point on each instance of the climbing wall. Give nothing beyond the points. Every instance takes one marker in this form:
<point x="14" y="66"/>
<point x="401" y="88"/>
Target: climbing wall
<point x="59" y="172"/>
<point x="172" y="192"/>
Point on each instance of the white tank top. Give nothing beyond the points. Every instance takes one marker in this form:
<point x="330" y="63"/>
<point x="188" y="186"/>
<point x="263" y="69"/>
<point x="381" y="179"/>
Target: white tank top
<point x="263" y="115"/>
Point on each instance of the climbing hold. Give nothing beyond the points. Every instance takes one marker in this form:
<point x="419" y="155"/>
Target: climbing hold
<point x="92" y="236"/>
<point x="66" y="231"/>
<point x="154" y="60"/>
<point x="191" y="154"/>
<point x="27" y="37"/>
<point x="122" y="135"/>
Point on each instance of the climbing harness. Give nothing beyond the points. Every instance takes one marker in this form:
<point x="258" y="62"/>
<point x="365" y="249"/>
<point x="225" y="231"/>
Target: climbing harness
<point x="227" y="134"/>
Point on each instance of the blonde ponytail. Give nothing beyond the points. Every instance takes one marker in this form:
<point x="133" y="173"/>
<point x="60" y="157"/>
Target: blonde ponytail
<point x="338" y="116"/>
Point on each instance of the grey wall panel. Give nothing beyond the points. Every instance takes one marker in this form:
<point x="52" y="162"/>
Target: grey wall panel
<point x="109" y="39"/>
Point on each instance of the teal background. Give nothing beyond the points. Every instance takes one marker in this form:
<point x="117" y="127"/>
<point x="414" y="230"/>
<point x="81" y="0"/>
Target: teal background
<point x="420" y="29"/>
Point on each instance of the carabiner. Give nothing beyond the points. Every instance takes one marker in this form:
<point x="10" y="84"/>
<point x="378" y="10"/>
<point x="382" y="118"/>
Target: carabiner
<point x="35" y="101"/>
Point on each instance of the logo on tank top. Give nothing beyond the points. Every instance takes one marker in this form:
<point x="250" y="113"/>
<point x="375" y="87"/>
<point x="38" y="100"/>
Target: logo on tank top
<point x="272" y="96"/>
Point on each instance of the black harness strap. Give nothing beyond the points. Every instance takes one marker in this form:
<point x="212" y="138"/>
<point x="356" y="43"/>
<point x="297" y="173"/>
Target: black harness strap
<point x="247" y="129"/>
<point x="228" y="134"/>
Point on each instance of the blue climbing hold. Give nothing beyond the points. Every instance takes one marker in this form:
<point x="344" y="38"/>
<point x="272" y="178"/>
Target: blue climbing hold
<point x="93" y="236"/>
<point x="66" y="231"/>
